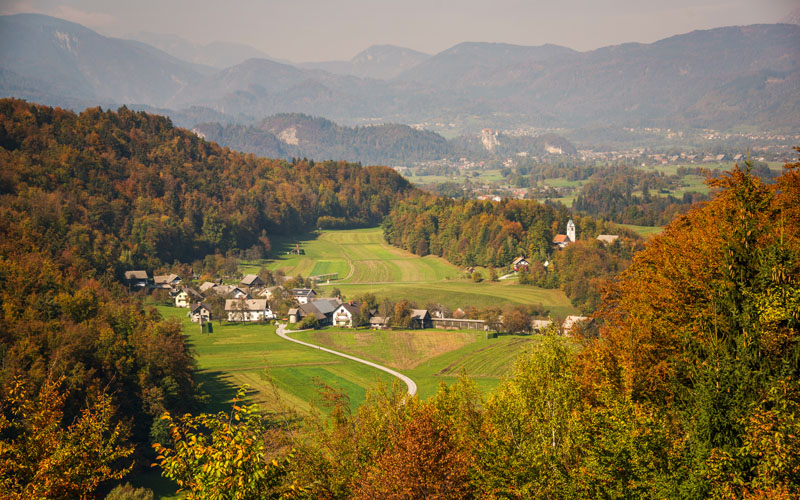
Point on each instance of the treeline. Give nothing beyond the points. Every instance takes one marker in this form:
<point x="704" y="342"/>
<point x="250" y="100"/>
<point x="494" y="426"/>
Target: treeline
<point x="691" y="391"/>
<point x="481" y="233"/>
<point x="611" y="193"/>
<point x="617" y="203"/>
<point x="129" y="190"/>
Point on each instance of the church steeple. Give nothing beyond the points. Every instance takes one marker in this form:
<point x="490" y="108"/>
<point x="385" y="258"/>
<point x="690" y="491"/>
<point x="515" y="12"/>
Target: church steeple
<point x="571" y="231"/>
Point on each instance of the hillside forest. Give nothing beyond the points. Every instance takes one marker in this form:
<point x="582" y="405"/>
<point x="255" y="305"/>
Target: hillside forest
<point x="690" y="390"/>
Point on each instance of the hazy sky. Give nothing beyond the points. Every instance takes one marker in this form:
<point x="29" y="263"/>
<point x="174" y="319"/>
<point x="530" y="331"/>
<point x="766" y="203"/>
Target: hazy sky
<point x="315" y="30"/>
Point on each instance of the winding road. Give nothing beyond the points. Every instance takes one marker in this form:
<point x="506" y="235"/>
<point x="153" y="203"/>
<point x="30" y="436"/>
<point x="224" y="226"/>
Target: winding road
<point x="412" y="386"/>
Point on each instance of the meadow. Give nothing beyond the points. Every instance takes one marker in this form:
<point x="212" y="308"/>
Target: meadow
<point x="365" y="263"/>
<point x="430" y="357"/>
<point x="279" y="373"/>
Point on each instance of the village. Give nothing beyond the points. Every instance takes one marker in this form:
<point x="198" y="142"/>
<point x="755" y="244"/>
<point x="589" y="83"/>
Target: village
<point x="251" y="299"/>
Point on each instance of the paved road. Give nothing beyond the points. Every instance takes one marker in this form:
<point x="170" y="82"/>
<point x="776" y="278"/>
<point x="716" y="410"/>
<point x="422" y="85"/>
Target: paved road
<point x="412" y="386"/>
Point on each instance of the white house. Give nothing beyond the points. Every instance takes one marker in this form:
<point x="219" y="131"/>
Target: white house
<point x="246" y="310"/>
<point x="200" y="313"/>
<point x="346" y="315"/>
<point x="187" y="296"/>
<point x="303" y="295"/>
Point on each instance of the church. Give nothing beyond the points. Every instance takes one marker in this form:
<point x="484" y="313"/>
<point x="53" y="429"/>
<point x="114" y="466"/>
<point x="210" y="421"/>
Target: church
<point x="562" y="240"/>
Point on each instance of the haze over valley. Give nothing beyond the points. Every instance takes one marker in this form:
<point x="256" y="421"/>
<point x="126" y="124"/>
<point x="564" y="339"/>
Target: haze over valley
<point x="506" y="250"/>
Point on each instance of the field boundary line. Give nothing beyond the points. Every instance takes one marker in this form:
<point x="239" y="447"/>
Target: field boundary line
<point x="412" y="386"/>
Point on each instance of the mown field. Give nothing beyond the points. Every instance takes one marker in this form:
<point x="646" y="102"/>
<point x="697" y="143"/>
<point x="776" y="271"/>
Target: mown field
<point x="366" y="263"/>
<point x="644" y="231"/>
<point x="430" y="357"/>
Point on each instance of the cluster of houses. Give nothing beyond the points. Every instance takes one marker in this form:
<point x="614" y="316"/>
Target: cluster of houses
<point x="246" y="302"/>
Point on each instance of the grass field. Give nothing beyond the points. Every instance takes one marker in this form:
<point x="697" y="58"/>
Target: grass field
<point x="278" y="371"/>
<point x="644" y="231"/>
<point x="366" y="263"/>
<point x="430" y="357"/>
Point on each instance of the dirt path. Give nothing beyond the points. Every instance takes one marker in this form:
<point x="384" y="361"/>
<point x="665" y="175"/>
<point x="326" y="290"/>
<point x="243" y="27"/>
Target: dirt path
<point x="412" y="386"/>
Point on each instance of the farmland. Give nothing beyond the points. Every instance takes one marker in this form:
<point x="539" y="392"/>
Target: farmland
<point x="430" y="357"/>
<point x="278" y="372"/>
<point x="366" y="263"/>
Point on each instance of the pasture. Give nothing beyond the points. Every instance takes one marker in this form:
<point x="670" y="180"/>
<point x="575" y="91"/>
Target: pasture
<point x="366" y="263"/>
<point x="279" y="373"/>
<point x="430" y="357"/>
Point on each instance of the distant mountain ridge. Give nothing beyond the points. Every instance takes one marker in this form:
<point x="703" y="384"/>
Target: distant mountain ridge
<point x="294" y="135"/>
<point x="381" y="62"/>
<point x="720" y="78"/>
<point x="75" y="62"/>
<point x="215" y="54"/>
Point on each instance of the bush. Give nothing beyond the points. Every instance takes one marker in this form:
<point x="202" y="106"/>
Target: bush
<point x="308" y="322"/>
<point x="128" y="492"/>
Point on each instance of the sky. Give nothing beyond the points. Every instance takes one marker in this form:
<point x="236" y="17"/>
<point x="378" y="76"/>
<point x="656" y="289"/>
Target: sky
<point x="323" y="30"/>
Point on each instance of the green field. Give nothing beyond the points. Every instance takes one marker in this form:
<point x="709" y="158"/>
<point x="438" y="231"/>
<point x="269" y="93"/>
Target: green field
<point x="644" y="231"/>
<point x="430" y="357"/>
<point x="279" y="372"/>
<point x="366" y="263"/>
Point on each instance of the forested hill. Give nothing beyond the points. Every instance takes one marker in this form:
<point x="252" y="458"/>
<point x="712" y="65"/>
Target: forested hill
<point x="297" y="135"/>
<point x="124" y="189"/>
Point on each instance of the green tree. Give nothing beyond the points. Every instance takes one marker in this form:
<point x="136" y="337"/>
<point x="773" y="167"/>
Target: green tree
<point x="41" y="457"/>
<point x="227" y="456"/>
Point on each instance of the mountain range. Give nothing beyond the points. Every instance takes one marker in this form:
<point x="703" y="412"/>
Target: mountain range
<point x="723" y="78"/>
<point x="294" y="135"/>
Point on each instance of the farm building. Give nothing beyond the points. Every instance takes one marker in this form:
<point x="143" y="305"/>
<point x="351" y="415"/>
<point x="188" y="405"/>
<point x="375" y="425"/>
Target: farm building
<point x="520" y="264"/>
<point x="608" y="238"/>
<point x="251" y="281"/>
<point x="136" y="279"/>
<point x="460" y="324"/>
<point x="247" y="310"/>
<point x="575" y="324"/>
<point x="166" y="281"/>
<point x="378" y="322"/>
<point x="421" y="318"/>
<point x="540" y="325"/>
